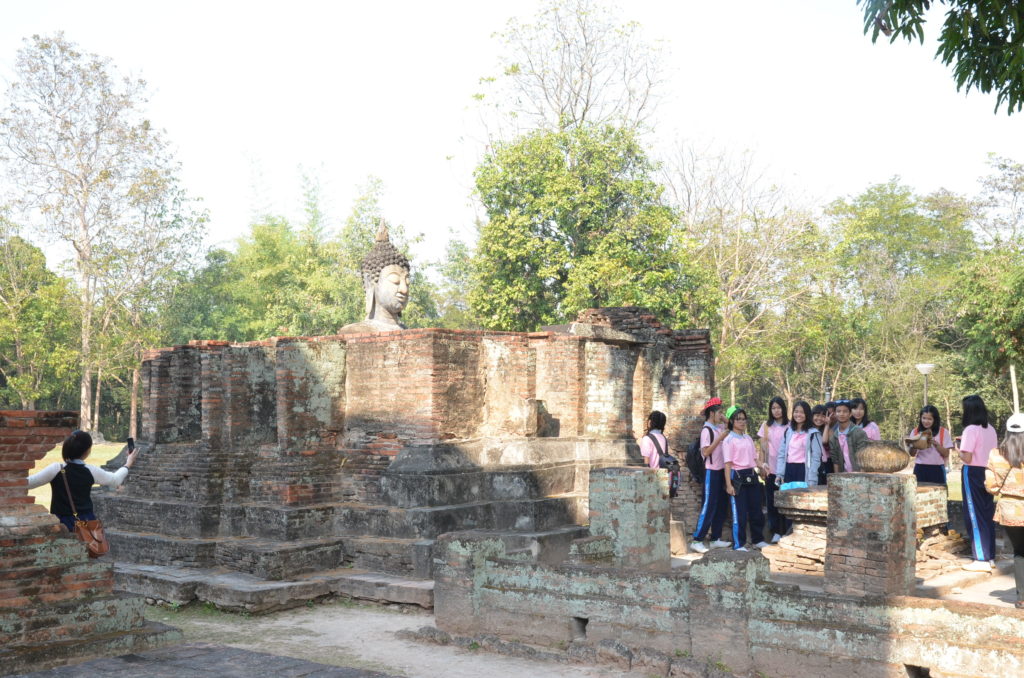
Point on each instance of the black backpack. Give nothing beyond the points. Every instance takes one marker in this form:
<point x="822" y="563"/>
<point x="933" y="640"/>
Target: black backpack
<point x="670" y="464"/>
<point x="694" y="459"/>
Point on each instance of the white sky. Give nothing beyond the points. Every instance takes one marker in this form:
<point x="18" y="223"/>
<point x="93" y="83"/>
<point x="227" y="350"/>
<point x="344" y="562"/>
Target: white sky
<point x="352" y="89"/>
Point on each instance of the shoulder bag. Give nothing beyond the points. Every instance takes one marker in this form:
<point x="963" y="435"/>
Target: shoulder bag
<point x="90" y="532"/>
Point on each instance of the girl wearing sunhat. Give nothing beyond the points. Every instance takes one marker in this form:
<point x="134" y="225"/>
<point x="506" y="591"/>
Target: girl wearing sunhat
<point x="1004" y="476"/>
<point x="713" y="507"/>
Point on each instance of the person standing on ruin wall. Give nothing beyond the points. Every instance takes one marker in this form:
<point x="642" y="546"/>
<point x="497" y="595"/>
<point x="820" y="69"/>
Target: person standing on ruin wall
<point x="715" y="503"/>
<point x="931" y="443"/>
<point x="1004" y="476"/>
<point x="770" y="438"/>
<point x="846" y="439"/>
<point x="742" y="484"/>
<point x="976" y="442"/>
<point x="653" y="444"/>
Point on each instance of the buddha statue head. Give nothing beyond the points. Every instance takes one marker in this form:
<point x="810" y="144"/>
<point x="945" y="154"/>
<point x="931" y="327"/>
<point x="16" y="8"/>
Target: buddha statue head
<point x="385" y="273"/>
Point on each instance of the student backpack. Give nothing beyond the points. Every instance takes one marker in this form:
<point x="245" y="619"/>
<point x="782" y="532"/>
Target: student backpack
<point x="694" y="459"/>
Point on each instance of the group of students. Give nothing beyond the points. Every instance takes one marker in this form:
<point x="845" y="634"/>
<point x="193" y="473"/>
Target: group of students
<point x="802" y="447"/>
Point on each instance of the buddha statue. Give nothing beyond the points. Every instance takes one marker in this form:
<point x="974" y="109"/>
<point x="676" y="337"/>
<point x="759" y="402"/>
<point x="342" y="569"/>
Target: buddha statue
<point x="385" y="273"/>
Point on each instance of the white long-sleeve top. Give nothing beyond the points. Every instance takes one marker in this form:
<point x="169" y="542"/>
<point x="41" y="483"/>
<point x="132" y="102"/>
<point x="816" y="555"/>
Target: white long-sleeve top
<point x="101" y="477"/>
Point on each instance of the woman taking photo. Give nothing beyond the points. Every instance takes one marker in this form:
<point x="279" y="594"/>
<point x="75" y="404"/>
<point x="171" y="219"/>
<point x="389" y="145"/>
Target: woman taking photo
<point x="80" y="478"/>
<point x="933" y="443"/>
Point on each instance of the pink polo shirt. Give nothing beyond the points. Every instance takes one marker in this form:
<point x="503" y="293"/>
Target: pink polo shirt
<point x="796" y="452"/>
<point x="930" y="455"/>
<point x="844" y="444"/>
<point x="872" y="431"/>
<point x="980" y="441"/>
<point x="649" y="451"/>
<point x="739" y="451"/>
<point x="715" y="462"/>
<point x="774" y="435"/>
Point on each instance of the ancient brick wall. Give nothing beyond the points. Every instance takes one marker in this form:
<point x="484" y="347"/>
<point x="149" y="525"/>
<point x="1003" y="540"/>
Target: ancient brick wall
<point x="724" y="610"/>
<point x="363" y="448"/>
<point x="56" y="604"/>
<point x="632" y="510"/>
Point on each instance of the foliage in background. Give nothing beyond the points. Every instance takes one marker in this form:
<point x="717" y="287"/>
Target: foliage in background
<point x="38" y="326"/>
<point x="983" y="41"/>
<point x="575" y="219"/>
<point x="93" y="174"/>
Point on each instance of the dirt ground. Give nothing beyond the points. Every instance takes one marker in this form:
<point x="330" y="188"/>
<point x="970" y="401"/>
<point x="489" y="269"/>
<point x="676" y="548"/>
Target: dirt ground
<point x="358" y="636"/>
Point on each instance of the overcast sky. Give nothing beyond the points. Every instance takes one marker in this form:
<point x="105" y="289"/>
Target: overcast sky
<point x="251" y="92"/>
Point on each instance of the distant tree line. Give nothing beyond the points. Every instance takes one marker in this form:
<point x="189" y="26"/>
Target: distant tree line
<point x="577" y="209"/>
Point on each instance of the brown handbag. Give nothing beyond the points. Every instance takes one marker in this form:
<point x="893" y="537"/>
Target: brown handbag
<point x="90" y="532"/>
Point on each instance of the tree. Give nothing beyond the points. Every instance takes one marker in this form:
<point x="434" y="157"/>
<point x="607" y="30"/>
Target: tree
<point x="285" y="279"/>
<point x="577" y="65"/>
<point x="983" y="41"/>
<point x="99" y="178"/>
<point x="37" y="325"/>
<point x="575" y="220"/>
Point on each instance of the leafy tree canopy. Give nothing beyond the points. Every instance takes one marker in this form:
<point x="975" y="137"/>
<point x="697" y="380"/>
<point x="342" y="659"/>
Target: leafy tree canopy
<point x="983" y="41"/>
<point x="576" y="220"/>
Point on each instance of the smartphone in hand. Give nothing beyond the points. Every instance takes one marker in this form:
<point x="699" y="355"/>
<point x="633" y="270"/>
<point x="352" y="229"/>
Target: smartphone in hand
<point x="131" y="445"/>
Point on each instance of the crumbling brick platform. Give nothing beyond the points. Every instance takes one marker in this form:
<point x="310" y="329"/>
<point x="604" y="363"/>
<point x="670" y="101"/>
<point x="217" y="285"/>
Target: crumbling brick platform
<point x="56" y="604"/>
<point x="938" y="549"/>
<point x="291" y="459"/>
<point x="610" y="603"/>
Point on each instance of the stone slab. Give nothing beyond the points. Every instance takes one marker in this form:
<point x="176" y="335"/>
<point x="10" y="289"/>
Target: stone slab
<point x="152" y="635"/>
<point x="200" y="660"/>
<point x="235" y="591"/>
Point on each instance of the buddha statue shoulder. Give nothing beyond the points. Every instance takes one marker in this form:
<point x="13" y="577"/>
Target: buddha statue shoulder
<point x="385" y="274"/>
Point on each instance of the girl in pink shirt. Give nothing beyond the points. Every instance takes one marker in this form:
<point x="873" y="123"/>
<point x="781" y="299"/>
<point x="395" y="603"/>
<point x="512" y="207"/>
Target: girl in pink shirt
<point x="859" y="416"/>
<point x="715" y="502"/>
<point x="930" y="460"/>
<point x="653" y="444"/>
<point x="978" y="439"/>
<point x="770" y="438"/>
<point x="741" y="482"/>
<point x="800" y="454"/>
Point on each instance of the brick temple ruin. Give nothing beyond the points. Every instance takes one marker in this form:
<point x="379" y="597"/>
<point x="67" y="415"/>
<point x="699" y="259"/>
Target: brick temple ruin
<point x="619" y="598"/>
<point x="56" y="604"/>
<point x="279" y="471"/>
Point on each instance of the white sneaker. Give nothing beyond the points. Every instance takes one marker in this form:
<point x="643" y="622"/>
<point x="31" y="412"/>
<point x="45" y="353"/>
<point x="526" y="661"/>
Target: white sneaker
<point x="776" y="538"/>
<point x="761" y="544"/>
<point x="742" y="548"/>
<point x="719" y="544"/>
<point x="977" y="566"/>
<point x="698" y="547"/>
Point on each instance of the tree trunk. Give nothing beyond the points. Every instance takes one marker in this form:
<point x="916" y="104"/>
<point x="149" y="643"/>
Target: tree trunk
<point x="133" y="419"/>
<point x="85" y="397"/>
<point x="96" y="401"/>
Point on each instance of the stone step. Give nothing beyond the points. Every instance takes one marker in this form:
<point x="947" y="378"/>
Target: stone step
<point x="390" y="555"/>
<point x="22" y="659"/>
<point x="247" y="593"/>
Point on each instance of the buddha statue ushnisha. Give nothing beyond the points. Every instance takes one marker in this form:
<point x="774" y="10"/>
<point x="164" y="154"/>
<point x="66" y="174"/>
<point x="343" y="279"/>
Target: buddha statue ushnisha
<point x="385" y="273"/>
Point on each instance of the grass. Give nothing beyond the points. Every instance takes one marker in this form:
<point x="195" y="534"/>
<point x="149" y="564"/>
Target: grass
<point x="101" y="454"/>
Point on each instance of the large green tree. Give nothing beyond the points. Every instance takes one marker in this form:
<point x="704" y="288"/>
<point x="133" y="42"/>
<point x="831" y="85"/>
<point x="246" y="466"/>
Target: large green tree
<point x="38" y="355"/>
<point x="983" y="41"/>
<point x="95" y="175"/>
<point x="575" y="219"/>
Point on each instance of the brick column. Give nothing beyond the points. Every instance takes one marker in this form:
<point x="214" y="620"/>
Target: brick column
<point x="630" y="505"/>
<point x="871" y="538"/>
<point x="56" y="604"/>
